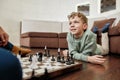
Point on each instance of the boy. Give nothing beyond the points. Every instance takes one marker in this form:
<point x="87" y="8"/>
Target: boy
<point x="82" y="42"/>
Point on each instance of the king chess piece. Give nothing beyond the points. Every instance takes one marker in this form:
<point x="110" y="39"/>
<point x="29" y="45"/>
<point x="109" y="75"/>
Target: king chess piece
<point x="58" y="56"/>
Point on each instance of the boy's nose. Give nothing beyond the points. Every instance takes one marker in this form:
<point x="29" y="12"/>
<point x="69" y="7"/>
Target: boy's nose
<point x="72" y="25"/>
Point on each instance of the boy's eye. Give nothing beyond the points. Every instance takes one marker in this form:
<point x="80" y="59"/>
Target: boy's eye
<point x="70" y="23"/>
<point x="76" y="22"/>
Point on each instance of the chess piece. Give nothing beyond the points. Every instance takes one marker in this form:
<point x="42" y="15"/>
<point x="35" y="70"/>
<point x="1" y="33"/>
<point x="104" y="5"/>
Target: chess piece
<point x="53" y="58"/>
<point x="62" y="60"/>
<point x="45" y="53"/>
<point x="45" y="76"/>
<point x="30" y="58"/>
<point x="33" y="75"/>
<point x="48" y="53"/>
<point x="72" y="60"/>
<point x="34" y="62"/>
<point x="68" y="59"/>
<point x="40" y="56"/>
<point x="58" y="56"/>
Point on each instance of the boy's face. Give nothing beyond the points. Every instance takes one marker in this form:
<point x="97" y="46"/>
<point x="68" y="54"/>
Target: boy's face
<point x="77" y="26"/>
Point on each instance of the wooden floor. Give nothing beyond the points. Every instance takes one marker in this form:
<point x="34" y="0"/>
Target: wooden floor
<point x="110" y="70"/>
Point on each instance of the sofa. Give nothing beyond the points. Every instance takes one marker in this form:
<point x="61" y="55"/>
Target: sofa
<point x="113" y="34"/>
<point x="42" y="39"/>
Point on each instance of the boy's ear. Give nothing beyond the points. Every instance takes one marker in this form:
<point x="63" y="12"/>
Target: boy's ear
<point x="85" y="26"/>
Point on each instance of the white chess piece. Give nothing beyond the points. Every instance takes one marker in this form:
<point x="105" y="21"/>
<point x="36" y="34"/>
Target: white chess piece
<point x="37" y="55"/>
<point x="58" y="49"/>
<point x="19" y="57"/>
<point x="34" y="62"/>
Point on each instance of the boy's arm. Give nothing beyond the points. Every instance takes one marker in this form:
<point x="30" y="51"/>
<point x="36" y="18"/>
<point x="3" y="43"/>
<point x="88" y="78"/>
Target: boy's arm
<point x="89" y="48"/>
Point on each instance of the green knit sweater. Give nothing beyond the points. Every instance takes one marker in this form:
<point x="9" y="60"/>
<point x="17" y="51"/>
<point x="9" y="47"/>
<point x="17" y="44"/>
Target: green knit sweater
<point x="84" y="46"/>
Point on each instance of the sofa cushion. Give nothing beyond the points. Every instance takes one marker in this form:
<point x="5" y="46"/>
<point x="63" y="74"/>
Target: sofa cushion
<point x="114" y="31"/>
<point x="101" y="23"/>
<point x="39" y="34"/>
<point x="62" y="40"/>
<point x="114" y="44"/>
<point x="62" y="35"/>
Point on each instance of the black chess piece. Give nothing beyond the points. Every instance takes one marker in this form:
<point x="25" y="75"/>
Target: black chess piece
<point x="58" y="56"/>
<point x="68" y="60"/>
<point x="30" y="58"/>
<point x="33" y="75"/>
<point x="46" y="75"/>
<point x="48" y="53"/>
<point x="71" y="60"/>
<point x="45" y="53"/>
<point x="62" y="60"/>
<point x="40" y="55"/>
<point x="53" y="58"/>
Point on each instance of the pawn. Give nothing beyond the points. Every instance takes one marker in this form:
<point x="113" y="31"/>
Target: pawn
<point x="33" y="75"/>
<point x="68" y="61"/>
<point x="72" y="60"/>
<point x="53" y="58"/>
<point x="30" y="58"/>
<point x="62" y="60"/>
<point x="45" y="76"/>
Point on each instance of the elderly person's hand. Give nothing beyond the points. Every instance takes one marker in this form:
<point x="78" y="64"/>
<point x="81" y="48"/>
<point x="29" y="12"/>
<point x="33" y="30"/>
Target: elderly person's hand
<point x="3" y="37"/>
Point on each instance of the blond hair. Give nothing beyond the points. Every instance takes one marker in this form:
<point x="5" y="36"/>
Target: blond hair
<point x="80" y="15"/>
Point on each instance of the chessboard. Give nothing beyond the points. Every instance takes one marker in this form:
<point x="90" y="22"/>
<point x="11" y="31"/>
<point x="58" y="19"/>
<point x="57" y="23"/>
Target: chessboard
<point x="43" y="66"/>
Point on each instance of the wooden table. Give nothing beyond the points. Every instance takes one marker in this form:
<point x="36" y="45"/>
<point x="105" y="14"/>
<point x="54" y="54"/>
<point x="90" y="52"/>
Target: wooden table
<point x="110" y="70"/>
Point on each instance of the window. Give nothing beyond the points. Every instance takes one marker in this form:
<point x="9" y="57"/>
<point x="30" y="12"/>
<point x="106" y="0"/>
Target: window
<point x="107" y="5"/>
<point x="83" y="9"/>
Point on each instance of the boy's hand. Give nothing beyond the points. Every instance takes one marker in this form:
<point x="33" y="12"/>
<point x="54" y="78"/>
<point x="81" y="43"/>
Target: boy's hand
<point x="65" y="52"/>
<point x="96" y="59"/>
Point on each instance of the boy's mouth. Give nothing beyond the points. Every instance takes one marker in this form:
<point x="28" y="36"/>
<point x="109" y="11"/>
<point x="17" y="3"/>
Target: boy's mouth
<point x="73" y="30"/>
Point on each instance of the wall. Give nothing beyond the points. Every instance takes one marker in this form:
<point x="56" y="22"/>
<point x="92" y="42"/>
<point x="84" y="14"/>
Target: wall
<point x="40" y="26"/>
<point x="14" y="11"/>
<point x="10" y="17"/>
